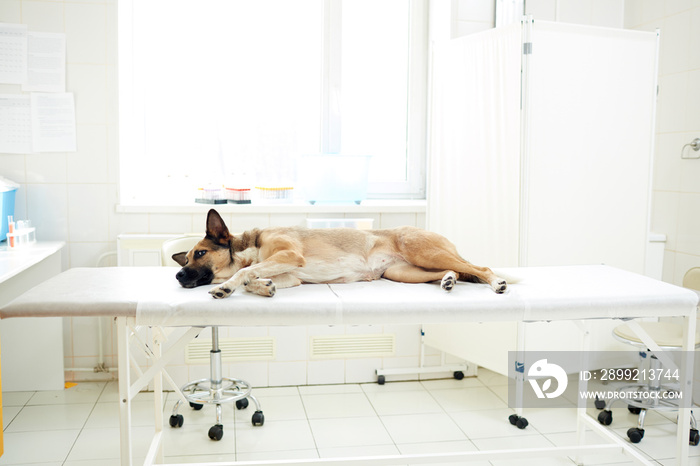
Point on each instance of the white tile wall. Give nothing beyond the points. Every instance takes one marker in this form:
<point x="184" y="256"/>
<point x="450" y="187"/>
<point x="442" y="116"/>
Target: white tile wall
<point x="605" y="13"/>
<point x="676" y="196"/>
<point x="470" y="16"/>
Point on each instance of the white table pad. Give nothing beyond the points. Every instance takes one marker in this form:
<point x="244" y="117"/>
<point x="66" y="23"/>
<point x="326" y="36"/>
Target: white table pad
<point x="154" y="297"/>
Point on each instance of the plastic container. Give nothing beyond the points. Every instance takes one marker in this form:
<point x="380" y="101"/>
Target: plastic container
<point x="7" y="208"/>
<point x="357" y="223"/>
<point x="238" y="195"/>
<point x="333" y="178"/>
<point x="274" y="195"/>
<point x="210" y="195"/>
<point x="22" y="235"/>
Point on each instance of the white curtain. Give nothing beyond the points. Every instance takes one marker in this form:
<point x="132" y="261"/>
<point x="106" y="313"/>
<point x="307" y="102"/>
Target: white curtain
<point x="473" y="167"/>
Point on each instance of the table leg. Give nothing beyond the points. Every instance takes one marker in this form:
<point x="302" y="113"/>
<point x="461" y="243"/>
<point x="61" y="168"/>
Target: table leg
<point x="124" y="396"/>
<point x="158" y="337"/>
<point x="581" y="413"/>
<point x="686" y="388"/>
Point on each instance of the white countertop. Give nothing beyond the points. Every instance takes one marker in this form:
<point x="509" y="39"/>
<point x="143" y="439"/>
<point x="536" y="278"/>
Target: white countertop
<point x="15" y="261"/>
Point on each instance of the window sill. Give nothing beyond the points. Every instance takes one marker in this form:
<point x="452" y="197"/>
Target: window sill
<point x="367" y="207"/>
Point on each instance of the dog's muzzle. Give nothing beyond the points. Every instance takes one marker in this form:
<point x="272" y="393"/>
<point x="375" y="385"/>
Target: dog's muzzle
<point x="190" y="278"/>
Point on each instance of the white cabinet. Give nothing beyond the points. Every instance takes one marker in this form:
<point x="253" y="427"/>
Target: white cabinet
<point x="32" y="348"/>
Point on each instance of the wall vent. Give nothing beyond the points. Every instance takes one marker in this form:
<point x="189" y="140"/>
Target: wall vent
<point x="232" y="350"/>
<point x="353" y="346"/>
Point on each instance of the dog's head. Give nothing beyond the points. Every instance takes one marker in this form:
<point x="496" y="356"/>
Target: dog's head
<point x="211" y="260"/>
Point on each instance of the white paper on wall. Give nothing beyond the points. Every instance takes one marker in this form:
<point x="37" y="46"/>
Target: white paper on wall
<point x="15" y="124"/>
<point x="46" y="62"/>
<point x="53" y="122"/>
<point x="13" y="53"/>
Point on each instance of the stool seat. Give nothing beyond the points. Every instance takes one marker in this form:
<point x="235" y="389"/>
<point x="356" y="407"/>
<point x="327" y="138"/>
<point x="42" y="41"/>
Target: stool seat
<point x="665" y="334"/>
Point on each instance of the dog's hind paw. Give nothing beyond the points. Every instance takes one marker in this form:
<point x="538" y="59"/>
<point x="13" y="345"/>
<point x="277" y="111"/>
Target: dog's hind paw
<point x="499" y="285"/>
<point x="448" y="281"/>
<point x="221" y="291"/>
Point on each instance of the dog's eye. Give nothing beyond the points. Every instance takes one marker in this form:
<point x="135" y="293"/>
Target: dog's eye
<point x="198" y="254"/>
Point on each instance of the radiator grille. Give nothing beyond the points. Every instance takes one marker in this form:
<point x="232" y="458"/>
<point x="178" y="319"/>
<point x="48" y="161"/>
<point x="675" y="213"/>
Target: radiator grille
<point x="232" y="349"/>
<point x="353" y="346"/>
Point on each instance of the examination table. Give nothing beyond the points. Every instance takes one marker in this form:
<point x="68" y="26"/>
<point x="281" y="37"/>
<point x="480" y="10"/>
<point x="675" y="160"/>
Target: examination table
<point x="152" y="297"/>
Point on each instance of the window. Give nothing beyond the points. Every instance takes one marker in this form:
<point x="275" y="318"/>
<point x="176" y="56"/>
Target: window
<point x="234" y="91"/>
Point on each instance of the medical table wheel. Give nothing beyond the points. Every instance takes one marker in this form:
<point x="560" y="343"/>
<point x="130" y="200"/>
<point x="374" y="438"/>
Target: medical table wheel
<point x="242" y="403"/>
<point x="599" y="404"/>
<point x="381" y="380"/>
<point x="605" y="417"/>
<point x="216" y="432"/>
<point x="196" y="406"/>
<point x="635" y="434"/>
<point x="517" y="421"/>
<point x="459" y="375"/>
<point x="258" y="418"/>
<point x="694" y="437"/>
<point x="634" y="409"/>
<point x="176" y="420"/>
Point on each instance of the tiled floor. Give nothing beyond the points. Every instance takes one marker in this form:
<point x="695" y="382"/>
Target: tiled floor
<point x="80" y="425"/>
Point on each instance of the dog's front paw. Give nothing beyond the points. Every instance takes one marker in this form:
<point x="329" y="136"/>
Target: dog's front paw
<point x="262" y="287"/>
<point x="221" y="291"/>
<point x="269" y="288"/>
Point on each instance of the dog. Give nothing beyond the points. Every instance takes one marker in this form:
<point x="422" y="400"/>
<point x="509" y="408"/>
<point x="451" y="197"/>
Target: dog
<point x="263" y="260"/>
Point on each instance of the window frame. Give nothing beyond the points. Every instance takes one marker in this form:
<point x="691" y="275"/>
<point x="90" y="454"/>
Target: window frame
<point x="131" y="134"/>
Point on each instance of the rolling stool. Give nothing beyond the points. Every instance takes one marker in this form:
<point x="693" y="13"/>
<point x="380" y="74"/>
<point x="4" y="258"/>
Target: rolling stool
<point x="216" y="389"/>
<point x="669" y="337"/>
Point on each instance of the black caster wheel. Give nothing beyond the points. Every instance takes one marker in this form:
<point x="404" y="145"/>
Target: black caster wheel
<point x="258" y="418"/>
<point x="694" y="437"/>
<point x="459" y="375"/>
<point x="216" y="432"/>
<point x="242" y="403"/>
<point x="381" y="380"/>
<point x="635" y="434"/>
<point x="599" y="404"/>
<point x="605" y="417"/>
<point x="176" y="420"/>
<point x="634" y="409"/>
<point x="196" y="406"/>
<point x="517" y="421"/>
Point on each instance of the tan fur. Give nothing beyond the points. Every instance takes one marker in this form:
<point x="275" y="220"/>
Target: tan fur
<point x="264" y="260"/>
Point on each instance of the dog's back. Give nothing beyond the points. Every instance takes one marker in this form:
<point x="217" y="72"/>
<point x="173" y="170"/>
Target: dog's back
<point x="337" y="255"/>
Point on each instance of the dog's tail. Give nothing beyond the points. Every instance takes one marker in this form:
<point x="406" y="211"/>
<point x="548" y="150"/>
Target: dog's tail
<point x="509" y="277"/>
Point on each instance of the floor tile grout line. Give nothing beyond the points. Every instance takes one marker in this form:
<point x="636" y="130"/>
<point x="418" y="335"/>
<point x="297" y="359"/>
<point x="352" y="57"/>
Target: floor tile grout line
<point x="80" y="431"/>
<point x="308" y="422"/>
<point x="18" y="413"/>
<point x="379" y="418"/>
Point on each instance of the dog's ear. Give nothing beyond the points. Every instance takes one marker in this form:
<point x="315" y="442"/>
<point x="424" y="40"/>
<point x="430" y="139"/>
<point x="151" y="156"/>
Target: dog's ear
<point x="216" y="228"/>
<point x="180" y="258"/>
